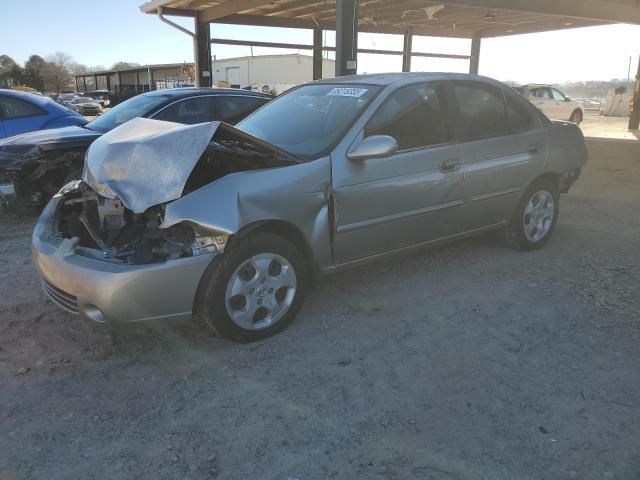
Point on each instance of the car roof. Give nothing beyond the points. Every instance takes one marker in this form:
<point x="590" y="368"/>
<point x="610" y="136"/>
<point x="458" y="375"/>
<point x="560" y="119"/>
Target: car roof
<point x="386" y="79"/>
<point x="195" y="91"/>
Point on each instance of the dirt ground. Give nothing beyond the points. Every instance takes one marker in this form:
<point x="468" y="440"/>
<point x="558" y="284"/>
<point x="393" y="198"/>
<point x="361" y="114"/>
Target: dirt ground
<point x="466" y="363"/>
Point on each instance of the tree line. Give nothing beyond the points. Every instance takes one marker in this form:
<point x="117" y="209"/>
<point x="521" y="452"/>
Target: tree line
<point x="51" y="74"/>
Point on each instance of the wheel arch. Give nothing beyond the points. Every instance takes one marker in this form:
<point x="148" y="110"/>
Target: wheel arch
<point x="286" y="230"/>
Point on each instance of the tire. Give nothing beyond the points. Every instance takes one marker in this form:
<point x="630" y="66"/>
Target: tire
<point x="576" y="117"/>
<point x="524" y="231"/>
<point x="260" y="273"/>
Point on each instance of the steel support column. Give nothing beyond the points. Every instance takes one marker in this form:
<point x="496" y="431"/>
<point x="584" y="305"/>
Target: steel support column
<point x="474" y="62"/>
<point x="634" y="119"/>
<point x="346" y="37"/>
<point x="202" y="52"/>
<point x="406" y="51"/>
<point x="317" y="53"/>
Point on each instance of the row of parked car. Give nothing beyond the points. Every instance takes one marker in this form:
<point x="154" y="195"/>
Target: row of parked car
<point x="23" y="112"/>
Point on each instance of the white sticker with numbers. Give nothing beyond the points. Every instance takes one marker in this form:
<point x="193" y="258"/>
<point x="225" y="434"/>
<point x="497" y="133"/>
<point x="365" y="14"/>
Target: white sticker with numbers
<point x="347" y="92"/>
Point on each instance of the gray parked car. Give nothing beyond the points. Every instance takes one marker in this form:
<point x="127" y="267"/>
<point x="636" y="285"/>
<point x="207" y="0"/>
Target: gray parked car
<point x="233" y="224"/>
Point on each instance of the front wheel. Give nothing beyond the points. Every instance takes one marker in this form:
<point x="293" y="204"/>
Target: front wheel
<point x="253" y="290"/>
<point x="535" y="218"/>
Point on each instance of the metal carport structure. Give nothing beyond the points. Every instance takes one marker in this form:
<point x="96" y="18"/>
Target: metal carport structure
<point x="472" y="19"/>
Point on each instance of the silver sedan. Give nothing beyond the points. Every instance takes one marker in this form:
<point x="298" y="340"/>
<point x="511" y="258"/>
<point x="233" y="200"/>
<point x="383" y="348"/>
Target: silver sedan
<point x="234" y="224"/>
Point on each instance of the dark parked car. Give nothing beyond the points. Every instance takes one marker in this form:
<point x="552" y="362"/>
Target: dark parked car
<point x="22" y="112"/>
<point x="104" y="97"/>
<point x="85" y="106"/>
<point x="38" y="164"/>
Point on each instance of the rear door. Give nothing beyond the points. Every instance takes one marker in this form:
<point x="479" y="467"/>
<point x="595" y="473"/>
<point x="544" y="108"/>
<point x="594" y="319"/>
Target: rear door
<point x="563" y="108"/>
<point x="385" y="204"/>
<point x="542" y="98"/>
<point x="19" y="116"/>
<point x="503" y="144"/>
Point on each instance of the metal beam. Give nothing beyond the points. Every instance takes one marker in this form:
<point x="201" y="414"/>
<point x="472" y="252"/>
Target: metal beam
<point x="598" y="10"/>
<point x="302" y="46"/>
<point x="474" y="61"/>
<point x="317" y="53"/>
<point x="406" y="51"/>
<point x="634" y="119"/>
<point x="346" y="37"/>
<point x="202" y="52"/>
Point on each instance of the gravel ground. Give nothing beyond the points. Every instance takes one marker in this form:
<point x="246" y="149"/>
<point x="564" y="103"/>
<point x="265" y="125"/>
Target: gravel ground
<point x="469" y="362"/>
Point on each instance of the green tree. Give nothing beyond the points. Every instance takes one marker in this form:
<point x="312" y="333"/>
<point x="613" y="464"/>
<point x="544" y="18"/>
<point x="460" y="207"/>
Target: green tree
<point x="10" y="72"/>
<point x="34" y="72"/>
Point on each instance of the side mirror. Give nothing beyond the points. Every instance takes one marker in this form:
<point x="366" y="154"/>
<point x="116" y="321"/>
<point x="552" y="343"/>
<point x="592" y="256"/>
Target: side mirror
<point x="375" y="146"/>
<point x="567" y="99"/>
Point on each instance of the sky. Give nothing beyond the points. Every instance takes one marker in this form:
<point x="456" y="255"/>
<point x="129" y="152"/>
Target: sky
<point x="102" y="33"/>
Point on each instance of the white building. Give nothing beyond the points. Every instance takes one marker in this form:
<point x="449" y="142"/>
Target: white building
<point x="268" y="73"/>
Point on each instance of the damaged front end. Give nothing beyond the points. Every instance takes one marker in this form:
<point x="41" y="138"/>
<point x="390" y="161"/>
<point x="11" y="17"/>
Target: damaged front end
<point x="117" y="211"/>
<point x="103" y="245"/>
<point x="105" y="229"/>
<point x="34" y="165"/>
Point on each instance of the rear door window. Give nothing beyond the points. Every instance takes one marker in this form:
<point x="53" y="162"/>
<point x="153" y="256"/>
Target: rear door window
<point x="520" y="119"/>
<point x="481" y="111"/>
<point x="414" y="115"/>
<point x="232" y="109"/>
<point x="542" y="92"/>
<point x="190" y="111"/>
<point x="11" y="108"/>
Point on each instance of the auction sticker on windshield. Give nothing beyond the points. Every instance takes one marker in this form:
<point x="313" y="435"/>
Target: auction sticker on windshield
<point x="347" y="92"/>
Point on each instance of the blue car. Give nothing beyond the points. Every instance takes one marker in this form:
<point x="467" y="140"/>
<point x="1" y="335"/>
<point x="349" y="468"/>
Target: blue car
<point x="22" y="112"/>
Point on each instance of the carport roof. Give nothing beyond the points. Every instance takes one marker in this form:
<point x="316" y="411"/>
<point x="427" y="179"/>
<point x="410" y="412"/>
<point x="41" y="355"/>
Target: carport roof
<point x="456" y="18"/>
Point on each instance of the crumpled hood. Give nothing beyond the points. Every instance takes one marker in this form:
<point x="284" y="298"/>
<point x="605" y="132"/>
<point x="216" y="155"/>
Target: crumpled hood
<point x="146" y="162"/>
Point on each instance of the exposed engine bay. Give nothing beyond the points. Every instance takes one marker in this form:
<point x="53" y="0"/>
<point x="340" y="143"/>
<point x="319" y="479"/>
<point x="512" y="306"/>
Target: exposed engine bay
<point x="107" y="229"/>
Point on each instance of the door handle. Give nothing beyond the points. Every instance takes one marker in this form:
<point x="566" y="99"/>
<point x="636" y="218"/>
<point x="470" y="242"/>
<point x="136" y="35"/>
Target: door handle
<point x="449" y="166"/>
<point x="533" y="149"/>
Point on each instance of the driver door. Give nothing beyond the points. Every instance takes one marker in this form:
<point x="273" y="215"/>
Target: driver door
<point x="408" y="198"/>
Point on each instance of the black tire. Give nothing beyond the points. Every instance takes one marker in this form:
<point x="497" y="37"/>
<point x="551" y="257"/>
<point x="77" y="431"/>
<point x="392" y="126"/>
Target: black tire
<point x="210" y="305"/>
<point x="576" y="117"/>
<point x="514" y="233"/>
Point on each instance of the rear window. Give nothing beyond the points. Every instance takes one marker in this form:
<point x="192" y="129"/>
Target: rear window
<point x="482" y="111"/>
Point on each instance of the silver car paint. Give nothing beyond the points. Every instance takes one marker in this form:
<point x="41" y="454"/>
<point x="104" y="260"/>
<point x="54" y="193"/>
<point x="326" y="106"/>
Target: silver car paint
<point x="347" y="212"/>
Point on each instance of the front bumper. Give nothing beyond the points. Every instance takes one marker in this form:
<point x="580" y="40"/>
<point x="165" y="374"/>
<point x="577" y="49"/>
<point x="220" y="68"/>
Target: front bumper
<point x="111" y="292"/>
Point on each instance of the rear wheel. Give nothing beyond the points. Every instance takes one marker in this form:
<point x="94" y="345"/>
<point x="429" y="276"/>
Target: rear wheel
<point x="535" y="218"/>
<point x="576" y="117"/>
<point x="253" y="290"/>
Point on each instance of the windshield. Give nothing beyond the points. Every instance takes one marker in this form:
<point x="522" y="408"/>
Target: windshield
<point x="309" y="120"/>
<point x="82" y="100"/>
<point x="137" y="106"/>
